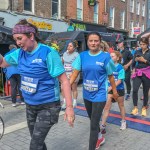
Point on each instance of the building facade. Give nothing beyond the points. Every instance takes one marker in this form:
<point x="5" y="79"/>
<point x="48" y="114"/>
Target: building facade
<point x="136" y="17"/>
<point x="148" y="14"/>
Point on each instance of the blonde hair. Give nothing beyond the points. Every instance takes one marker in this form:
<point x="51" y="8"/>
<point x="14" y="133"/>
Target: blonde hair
<point x="118" y="54"/>
<point x="104" y="46"/>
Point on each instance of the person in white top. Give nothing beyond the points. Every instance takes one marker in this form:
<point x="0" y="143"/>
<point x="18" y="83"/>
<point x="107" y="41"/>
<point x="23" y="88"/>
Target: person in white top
<point x="68" y="57"/>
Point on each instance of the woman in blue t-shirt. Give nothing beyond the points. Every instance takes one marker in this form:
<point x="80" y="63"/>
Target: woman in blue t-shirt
<point x="96" y="67"/>
<point x="40" y="68"/>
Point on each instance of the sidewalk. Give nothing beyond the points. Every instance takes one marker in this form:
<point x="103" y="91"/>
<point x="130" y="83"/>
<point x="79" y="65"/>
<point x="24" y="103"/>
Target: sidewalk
<point x="63" y="137"/>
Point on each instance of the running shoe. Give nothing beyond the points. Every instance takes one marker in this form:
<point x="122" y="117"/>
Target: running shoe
<point x="144" y="112"/>
<point x="134" y="111"/>
<point x="14" y="105"/>
<point x="123" y="125"/>
<point x="100" y="142"/>
<point x="127" y="97"/>
<point x="22" y="103"/>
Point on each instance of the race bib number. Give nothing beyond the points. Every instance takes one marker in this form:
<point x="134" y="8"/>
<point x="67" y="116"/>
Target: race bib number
<point x="29" y="85"/>
<point x="90" y="85"/>
<point x="68" y="67"/>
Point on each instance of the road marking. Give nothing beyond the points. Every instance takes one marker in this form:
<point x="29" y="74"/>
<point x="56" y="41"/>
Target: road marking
<point x="21" y="125"/>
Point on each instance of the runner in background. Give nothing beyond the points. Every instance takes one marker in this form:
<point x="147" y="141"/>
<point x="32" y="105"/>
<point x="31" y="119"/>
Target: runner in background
<point x="96" y="67"/>
<point x="119" y="75"/>
<point x="141" y="75"/>
<point x="126" y="62"/>
<point x="68" y="57"/>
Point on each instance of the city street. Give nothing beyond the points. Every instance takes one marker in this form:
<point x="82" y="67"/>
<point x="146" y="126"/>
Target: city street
<point x="63" y="137"/>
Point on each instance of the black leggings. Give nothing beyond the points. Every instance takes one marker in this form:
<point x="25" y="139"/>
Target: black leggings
<point x="94" y="110"/>
<point x="127" y="81"/>
<point x="136" y="84"/>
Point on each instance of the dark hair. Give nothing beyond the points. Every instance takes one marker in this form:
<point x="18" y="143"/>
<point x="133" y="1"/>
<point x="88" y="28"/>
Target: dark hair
<point x="74" y="43"/>
<point x="144" y="40"/>
<point x="94" y="33"/>
<point x="25" y="22"/>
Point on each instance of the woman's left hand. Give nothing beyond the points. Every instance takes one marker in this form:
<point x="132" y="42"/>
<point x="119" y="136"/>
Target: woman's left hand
<point x="115" y="95"/>
<point x="70" y="116"/>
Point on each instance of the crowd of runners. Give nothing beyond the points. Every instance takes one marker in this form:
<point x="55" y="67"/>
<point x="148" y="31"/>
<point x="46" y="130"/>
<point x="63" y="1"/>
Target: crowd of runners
<point x="103" y="75"/>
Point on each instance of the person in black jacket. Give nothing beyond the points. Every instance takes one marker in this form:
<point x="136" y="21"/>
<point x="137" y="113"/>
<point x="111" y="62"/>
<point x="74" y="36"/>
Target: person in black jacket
<point x="126" y="62"/>
<point x="141" y="74"/>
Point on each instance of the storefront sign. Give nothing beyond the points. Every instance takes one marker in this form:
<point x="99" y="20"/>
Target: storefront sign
<point x="79" y="27"/>
<point x="41" y="25"/>
<point x="70" y="28"/>
<point x="136" y="30"/>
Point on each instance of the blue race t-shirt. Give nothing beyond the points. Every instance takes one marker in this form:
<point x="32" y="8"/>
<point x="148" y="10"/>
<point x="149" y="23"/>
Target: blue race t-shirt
<point x="39" y="70"/>
<point x="95" y="69"/>
<point x="119" y="74"/>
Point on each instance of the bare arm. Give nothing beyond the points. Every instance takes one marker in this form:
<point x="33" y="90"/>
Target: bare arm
<point x="69" y="113"/>
<point x="3" y="63"/>
<point x="113" y="85"/>
<point x="74" y="76"/>
<point x="66" y="88"/>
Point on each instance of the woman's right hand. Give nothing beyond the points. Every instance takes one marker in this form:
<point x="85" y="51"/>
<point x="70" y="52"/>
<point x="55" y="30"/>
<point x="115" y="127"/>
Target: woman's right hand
<point x="69" y="115"/>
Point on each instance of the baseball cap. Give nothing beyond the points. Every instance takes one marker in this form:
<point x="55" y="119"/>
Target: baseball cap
<point x="120" y="41"/>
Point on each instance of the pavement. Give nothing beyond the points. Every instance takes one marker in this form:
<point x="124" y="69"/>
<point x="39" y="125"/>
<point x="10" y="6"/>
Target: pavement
<point x="63" y="137"/>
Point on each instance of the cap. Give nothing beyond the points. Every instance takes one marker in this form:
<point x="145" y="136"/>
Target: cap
<point x="120" y="41"/>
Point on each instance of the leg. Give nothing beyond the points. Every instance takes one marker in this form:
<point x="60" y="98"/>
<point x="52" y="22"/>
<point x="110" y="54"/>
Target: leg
<point x="88" y="106"/>
<point x="146" y="85"/>
<point x="97" y="109"/>
<point x="75" y="93"/>
<point x="107" y="109"/>
<point x="74" y="90"/>
<point x="127" y="81"/>
<point x="136" y="84"/>
<point x="47" y="116"/>
<point x="13" y="84"/>
<point x="121" y="106"/>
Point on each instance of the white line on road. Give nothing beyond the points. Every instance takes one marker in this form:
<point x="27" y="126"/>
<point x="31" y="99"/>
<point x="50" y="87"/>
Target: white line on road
<point x="21" y="125"/>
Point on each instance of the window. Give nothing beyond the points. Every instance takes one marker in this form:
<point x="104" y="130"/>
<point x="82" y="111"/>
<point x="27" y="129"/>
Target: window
<point x="111" y="16"/>
<point x="54" y="8"/>
<point x="132" y="6"/>
<point x="143" y="10"/>
<point x="137" y="24"/>
<point x="142" y="28"/>
<point x="79" y="10"/>
<point x="122" y="19"/>
<point x="138" y="8"/>
<point x="131" y="29"/>
<point x="96" y="13"/>
<point x="29" y="5"/>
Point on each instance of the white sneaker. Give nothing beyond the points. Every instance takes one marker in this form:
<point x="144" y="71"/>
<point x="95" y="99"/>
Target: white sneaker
<point x="74" y="103"/>
<point x="63" y="105"/>
<point x="22" y="103"/>
<point x="14" y="105"/>
<point x="123" y="125"/>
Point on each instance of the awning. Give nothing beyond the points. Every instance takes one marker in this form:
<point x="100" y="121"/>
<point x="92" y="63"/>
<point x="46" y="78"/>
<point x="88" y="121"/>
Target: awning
<point x="6" y="30"/>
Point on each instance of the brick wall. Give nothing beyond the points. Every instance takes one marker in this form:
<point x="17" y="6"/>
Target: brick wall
<point x="119" y="7"/>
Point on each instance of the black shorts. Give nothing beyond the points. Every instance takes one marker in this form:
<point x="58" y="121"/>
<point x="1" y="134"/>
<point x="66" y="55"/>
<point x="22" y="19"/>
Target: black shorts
<point x="120" y="93"/>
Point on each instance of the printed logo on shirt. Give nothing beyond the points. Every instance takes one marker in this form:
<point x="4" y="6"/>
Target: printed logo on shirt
<point x="37" y="61"/>
<point x="99" y="63"/>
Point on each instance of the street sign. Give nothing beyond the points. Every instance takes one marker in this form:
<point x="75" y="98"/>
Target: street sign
<point x="137" y="30"/>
